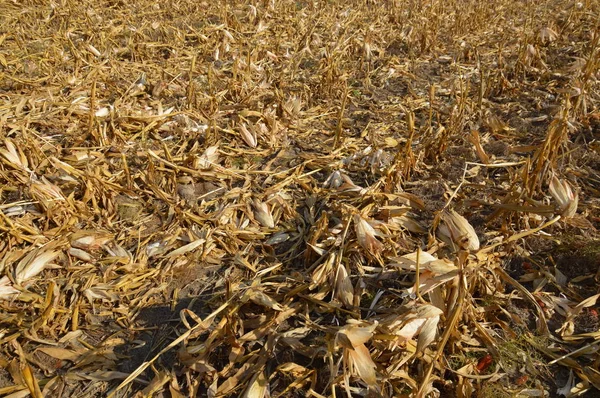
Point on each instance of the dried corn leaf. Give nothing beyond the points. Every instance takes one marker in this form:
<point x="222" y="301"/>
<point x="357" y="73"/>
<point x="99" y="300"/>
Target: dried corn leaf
<point x="106" y="375"/>
<point x="30" y="381"/>
<point x="547" y="35"/>
<point x="410" y="329"/>
<point x="101" y="292"/>
<point x="566" y="390"/>
<point x="423" y="319"/>
<point x="21" y="392"/>
<point x="476" y="141"/>
<point x="156" y="384"/>
<point x="429" y="281"/>
<point x="102" y="112"/>
<point x="409" y="223"/>
<point x="335" y="180"/>
<point x="358" y="333"/>
<point x="108" y="152"/>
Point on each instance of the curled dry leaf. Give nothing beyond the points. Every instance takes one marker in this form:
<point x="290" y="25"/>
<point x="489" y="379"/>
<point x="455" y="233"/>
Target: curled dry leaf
<point x="16" y="157"/>
<point x="323" y="272"/>
<point x="410" y="329"/>
<point x="65" y="167"/>
<point x="456" y="231"/>
<point x="248" y="136"/>
<point x="566" y="390"/>
<point x="102" y="112"/>
<point x="428" y="331"/>
<point x="567" y="329"/>
<point x="358" y="333"/>
<point x="476" y="141"/>
<point x="260" y="298"/>
<point x="427" y="262"/>
<point x="428" y="281"/>
<point x="257" y="388"/>
<point x="406" y="221"/>
<point x="365" y="234"/>
<point x="116" y="250"/>
<point x="344" y="291"/>
<point x="6" y="288"/>
<point x="334" y="180"/>
<point x="363" y="365"/>
<point x="547" y="35"/>
<point x="186" y="248"/>
<point x="47" y="193"/>
<point x="80" y="254"/>
<point x="293" y="106"/>
<point x="564" y="195"/>
<point x="422" y="320"/>
<point x="263" y="215"/>
<point x="101" y="291"/>
<point x="340" y="181"/>
<point x="353" y="338"/>
<point x="33" y="264"/>
<point x="209" y="158"/>
<point x="90" y="240"/>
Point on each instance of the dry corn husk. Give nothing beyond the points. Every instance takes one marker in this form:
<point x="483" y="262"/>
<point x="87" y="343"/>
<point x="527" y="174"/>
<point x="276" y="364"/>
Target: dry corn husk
<point x="14" y="155"/>
<point x="90" y="240"/>
<point x="547" y="35"/>
<point x="366" y="235"/>
<point x="428" y="330"/>
<point x="353" y="338"/>
<point x="248" y="136"/>
<point x="209" y="158"/>
<point x="456" y="231"/>
<point x="263" y="215"/>
<point x="47" y="193"/>
<point x="344" y="291"/>
<point x="33" y="264"/>
<point x="335" y="180"/>
<point x="6" y="289"/>
<point x="426" y="262"/>
<point x="257" y="388"/>
<point x="567" y="199"/>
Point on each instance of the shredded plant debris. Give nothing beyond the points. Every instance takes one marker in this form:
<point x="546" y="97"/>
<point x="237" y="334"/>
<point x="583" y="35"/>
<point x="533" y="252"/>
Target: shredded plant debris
<point x="299" y="198"/>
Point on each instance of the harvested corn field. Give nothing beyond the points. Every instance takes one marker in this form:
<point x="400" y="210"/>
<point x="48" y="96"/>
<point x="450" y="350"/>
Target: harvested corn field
<point x="299" y="198"/>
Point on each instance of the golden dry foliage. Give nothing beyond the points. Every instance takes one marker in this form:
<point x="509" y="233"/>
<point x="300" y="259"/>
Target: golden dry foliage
<point x="299" y="198"/>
